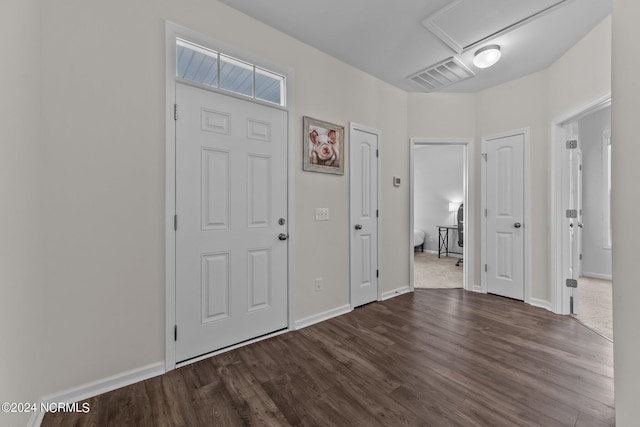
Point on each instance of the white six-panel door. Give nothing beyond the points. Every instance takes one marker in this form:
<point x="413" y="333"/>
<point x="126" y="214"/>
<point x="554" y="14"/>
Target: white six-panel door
<point x="363" y="211"/>
<point x="231" y="193"/>
<point x="505" y="216"/>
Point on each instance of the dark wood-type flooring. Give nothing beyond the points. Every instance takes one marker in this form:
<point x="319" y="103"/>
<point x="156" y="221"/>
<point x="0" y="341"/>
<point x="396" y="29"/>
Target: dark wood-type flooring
<point x="442" y="357"/>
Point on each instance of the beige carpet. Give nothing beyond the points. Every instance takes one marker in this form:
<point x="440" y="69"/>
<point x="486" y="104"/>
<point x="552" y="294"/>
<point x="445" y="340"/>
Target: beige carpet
<point x="432" y="272"/>
<point x="595" y="305"/>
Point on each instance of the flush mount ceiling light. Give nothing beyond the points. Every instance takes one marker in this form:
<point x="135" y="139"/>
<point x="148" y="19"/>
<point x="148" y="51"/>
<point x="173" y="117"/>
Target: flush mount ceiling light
<point x="487" y="56"/>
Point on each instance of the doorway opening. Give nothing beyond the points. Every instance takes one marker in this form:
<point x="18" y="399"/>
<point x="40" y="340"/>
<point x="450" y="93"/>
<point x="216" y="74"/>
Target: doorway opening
<point x="589" y="233"/>
<point x="439" y="231"/>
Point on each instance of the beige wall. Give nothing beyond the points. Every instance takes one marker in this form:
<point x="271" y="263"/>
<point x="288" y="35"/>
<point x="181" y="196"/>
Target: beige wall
<point x="103" y="98"/>
<point x="583" y="73"/>
<point x="20" y="212"/>
<point x="626" y="210"/>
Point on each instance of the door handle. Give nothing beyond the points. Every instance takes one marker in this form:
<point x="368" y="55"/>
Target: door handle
<point x="283" y="236"/>
<point x="517" y="225"/>
<point x="581" y="225"/>
<point x="358" y="227"/>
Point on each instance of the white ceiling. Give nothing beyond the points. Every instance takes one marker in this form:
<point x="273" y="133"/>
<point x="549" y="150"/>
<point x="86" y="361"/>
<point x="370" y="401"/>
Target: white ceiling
<point x="395" y="39"/>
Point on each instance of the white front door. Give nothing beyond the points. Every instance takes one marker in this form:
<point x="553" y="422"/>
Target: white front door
<point x="364" y="214"/>
<point x="505" y="216"/>
<point x="231" y="204"/>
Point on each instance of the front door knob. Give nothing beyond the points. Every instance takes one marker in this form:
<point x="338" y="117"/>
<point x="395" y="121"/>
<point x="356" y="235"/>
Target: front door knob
<point x="283" y="236"/>
<point x="517" y="225"/>
<point x="358" y="227"/>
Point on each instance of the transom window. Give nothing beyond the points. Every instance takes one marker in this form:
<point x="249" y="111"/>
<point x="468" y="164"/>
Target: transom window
<point x="215" y="69"/>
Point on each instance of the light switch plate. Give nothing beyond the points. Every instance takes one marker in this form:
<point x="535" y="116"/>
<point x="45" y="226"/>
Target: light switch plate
<point x="396" y="181"/>
<point x="322" y="214"/>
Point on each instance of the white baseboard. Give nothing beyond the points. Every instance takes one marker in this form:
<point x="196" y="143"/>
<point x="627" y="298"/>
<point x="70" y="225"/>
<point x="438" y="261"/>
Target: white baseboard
<point x="98" y="387"/>
<point x="597" y="275"/>
<point x="394" y="293"/>
<point x="321" y="317"/>
<point x="477" y="288"/>
<point x="540" y="303"/>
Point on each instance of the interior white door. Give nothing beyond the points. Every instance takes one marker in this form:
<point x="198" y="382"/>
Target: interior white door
<point x="364" y="214"/>
<point x="505" y="216"/>
<point x="231" y="204"/>
<point x="575" y="224"/>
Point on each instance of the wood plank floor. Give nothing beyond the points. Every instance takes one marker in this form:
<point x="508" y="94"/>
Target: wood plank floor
<point x="441" y="357"/>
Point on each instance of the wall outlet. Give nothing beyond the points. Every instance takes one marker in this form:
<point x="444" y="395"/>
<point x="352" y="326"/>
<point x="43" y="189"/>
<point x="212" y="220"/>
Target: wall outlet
<point x="319" y="284"/>
<point x="322" y="214"/>
<point x="430" y="239"/>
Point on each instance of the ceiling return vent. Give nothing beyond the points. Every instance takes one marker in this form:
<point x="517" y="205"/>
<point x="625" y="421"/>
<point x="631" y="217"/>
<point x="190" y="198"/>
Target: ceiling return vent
<point x="442" y="74"/>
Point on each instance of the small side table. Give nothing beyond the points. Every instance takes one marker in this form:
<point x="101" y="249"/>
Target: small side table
<point x="443" y="239"/>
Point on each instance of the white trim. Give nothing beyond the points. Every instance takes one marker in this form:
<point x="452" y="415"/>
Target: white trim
<point x="606" y="182"/>
<point x="469" y="203"/>
<point x="321" y="317"/>
<point x="540" y="303"/>
<point x="526" y="132"/>
<point x="172" y="31"/>
<point x="559" y="293"/>
<point x="95" y="388"/>
<point x="353" y="127"/>
<point x="395" y="293"/>
<point x="597" y="275"/>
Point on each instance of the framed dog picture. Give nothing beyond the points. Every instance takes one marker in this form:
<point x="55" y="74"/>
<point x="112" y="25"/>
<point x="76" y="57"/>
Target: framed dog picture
<point x="323" y="146"/>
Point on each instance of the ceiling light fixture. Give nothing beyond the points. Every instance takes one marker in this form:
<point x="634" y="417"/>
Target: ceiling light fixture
<point x="487" y="56"/>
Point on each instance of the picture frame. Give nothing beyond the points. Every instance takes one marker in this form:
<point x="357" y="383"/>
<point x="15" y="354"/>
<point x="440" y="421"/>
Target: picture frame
<point x="323" y="144"/>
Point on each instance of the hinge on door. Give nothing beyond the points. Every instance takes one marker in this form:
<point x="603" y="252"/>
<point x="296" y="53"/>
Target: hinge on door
<point x="486" y="212"/>
<point x="175" y="332"/>
<point x="485" y="268"/>
<point x="580" y="168"/>
<point x="377" y="213"/>
<point x="572" y="144"/>
<point x="377" y="273"/>
<point x="572" y="213"/>
<point x="580" y="257"/>
<point x="484" y="156"/>
<point x="175" y="222"/>
<point x="572" y="283"/>
<point x="175" y="111"/>
<point x="377" y="153"/>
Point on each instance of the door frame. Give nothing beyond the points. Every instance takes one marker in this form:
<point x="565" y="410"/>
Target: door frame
<point x="172" y="31"/>
<point x="558" y="262"/>
<point x="353" y="127"/>
<point x="468" y="191"/>
<point x="526" y="132"/>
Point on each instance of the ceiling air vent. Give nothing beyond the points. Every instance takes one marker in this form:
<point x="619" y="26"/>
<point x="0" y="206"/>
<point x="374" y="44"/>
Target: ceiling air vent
<point x="442" y="74"/>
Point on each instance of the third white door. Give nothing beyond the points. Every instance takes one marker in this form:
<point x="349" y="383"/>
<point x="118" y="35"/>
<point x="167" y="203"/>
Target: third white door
<point x="505" y="236"/>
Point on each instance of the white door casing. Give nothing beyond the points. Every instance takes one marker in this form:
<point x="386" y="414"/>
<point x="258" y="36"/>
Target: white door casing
<point x="505" y="215"/>
<point x="231" y="192"/>
<point x="363" y="196"/>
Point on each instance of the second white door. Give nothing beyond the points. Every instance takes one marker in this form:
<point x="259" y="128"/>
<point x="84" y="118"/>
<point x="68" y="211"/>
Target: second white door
<point x="505" y="236"/>
<point x="364" y="214"/>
